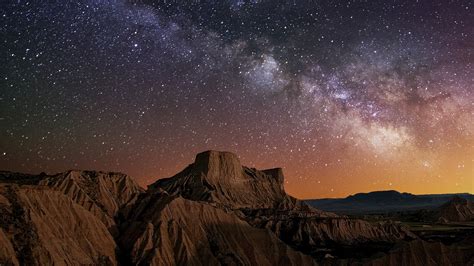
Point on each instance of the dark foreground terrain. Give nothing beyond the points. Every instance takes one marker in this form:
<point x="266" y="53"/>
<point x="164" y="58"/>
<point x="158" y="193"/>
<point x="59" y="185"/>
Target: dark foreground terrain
<point x="214" y="212"/>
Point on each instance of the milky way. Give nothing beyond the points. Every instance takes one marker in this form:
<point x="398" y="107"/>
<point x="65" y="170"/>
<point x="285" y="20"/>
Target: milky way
<point x="346" y="96"/>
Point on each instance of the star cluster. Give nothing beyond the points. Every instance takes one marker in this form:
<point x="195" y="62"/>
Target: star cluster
<point x="346" y="96"/>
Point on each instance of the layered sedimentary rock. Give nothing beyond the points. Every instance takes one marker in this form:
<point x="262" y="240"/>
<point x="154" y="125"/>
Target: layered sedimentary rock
<point x="40" y="226"/>
<point x="101" y="193"/>
<point x="171" y="230"/>
<point x="258" y="197"/>
<point x="318" y="232"/>
<point x="219" y="178"/>
<point x="215" y="212"/>
<point x="423" y="253"/>
<point x="109" y="191"/>
<point x="455" y="210"/>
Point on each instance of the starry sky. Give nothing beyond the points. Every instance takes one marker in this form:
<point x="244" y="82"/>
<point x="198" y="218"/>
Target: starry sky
<point x="346" y="96"/>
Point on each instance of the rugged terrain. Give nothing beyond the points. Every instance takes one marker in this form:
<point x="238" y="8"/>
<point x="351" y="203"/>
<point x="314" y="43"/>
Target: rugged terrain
<point x="456" y="210"/>
<point x="214" y="212"/>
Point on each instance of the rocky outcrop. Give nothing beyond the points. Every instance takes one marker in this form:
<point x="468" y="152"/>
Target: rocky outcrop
<point x="456" y="210"/>
<point x="258" y="197"/>
<point x="61" y="218"/>
<point x="319" y="232"/>
<point x="422" y="253"/>
<point x="102" y="193"/>
<point x="39" y="226"/>
<point x="171" y="230"/>
<point x="218" y="178"/>
<point x="214" y="212"/>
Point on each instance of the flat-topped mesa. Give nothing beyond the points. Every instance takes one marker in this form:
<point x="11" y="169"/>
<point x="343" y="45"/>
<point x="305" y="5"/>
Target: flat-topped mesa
<point x="218" y="177"/>
<point x="276" y="173"/>
<point x="219" y="167"/>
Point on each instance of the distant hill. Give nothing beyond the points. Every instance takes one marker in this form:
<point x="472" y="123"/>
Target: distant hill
<point x="384" y="201"/>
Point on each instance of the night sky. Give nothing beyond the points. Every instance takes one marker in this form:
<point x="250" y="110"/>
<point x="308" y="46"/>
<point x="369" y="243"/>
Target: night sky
<point x="346" y="96"/>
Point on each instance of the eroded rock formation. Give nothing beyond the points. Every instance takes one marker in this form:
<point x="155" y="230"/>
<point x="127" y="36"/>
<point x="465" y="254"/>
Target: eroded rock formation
<point x="214" y="212"/>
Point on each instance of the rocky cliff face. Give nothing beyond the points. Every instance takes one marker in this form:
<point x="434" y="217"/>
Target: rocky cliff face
<point x="103" y="194"/>
<point x="259" y="198"/>
<point x="456" y="210"/>
<point x="40" y="226"/>
<point x="110" y="192"/>
<point x="422" y="253"/>
<point x="214" y="212"/>
<point x="67" y="218"/>
<point x="219" y="178"/>
<point x="171" y="230"/>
